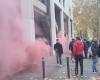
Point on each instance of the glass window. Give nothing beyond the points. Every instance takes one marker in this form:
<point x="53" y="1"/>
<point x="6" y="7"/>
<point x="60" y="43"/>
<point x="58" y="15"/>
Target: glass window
<point x="60" y="1"/>
<point x="64" y="3"/>
<point x="43" y="1"/>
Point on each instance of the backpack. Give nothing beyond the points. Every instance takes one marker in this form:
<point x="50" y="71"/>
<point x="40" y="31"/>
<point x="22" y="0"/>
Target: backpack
<point x="98" y="50"/>
<point x="79" y="48"/>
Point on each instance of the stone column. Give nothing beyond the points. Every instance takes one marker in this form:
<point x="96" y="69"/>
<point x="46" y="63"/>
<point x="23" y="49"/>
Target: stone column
<point x="69" y="28"/>
<point x="73" y="30"/>
<point x="27" y="13"/>
<point x="62" y="22"/>
<point x="53" y="27"/>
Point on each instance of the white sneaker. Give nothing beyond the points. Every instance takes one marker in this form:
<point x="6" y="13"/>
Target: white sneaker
<point x="81" y="76"/>
<point x="60" y="65"/>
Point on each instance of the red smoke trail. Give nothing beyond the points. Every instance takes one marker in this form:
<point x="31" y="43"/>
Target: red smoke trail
<point x="37" y="50"/>
<point x="13" y="55"/>
<point x="12" y="47"/>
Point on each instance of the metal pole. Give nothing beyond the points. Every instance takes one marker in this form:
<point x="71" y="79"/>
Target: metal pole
<point x="97" y="18"/>
<point x="68" y="69"/>
<point x="43" y="67"/>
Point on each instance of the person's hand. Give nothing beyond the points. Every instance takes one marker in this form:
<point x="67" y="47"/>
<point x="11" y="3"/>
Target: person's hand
<point x="56" y="50"/>
<point x="73" y="60"/>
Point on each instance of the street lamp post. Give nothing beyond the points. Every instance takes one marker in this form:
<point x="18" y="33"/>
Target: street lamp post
<point x="98" y="2"/>
<point x="97" y="19"/>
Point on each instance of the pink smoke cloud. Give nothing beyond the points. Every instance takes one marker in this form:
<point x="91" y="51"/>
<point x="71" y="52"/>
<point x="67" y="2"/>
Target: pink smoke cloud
<point x="38" y="49"/>
<point x="13" y="54"/>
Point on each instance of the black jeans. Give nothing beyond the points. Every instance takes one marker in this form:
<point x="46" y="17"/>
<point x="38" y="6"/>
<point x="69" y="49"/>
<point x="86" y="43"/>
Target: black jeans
<point x="79" y="60"/>
<point x="86" y="53"/>
<point x="58" y="55"/>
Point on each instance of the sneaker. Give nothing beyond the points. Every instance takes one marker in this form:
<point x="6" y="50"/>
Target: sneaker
<point x="75" y="75"/>
<point x="81" y="76"/>
<point x="57" y="65"/>
<point x="60" y="65"/>
<point x="96" y="71"/>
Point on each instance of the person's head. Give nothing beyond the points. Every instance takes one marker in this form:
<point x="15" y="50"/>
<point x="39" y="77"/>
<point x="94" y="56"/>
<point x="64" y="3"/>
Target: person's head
<point x="78" y="38"/>
<point x="94" y="40"/>
<point x="73" y="39"/>
<point x="57" y="40"/>
<point x="84" y="40"/>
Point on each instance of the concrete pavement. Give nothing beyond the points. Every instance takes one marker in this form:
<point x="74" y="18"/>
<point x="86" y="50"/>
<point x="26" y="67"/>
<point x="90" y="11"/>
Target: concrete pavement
<point x="56" y="72"/>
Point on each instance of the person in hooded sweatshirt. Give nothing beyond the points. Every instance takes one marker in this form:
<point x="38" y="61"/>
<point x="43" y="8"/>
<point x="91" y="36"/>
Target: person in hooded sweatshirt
<point x="78" y="55"/>
<point x="94" y="55"/>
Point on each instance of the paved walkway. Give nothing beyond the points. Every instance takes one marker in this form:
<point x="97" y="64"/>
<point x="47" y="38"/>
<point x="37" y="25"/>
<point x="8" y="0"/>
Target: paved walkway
<point x="55" y="72"/>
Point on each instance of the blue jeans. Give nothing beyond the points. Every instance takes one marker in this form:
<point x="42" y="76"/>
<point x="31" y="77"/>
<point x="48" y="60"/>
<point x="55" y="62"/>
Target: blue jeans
<point x="94" y="59"/>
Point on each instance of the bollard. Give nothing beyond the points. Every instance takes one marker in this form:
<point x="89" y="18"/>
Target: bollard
<point x="43" y="68"/>
<point x="68" y="68"/>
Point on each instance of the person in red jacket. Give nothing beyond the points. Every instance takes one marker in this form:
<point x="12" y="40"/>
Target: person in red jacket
<point x="78" y="55"/>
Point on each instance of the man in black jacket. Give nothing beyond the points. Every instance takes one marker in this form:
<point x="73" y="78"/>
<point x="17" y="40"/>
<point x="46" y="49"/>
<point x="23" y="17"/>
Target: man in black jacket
<point x="59" y="51"/>
<point x="86" y="47"/>
<point x="94" y="55"/>
<point x="98" y="49"/>
<point x="71" y="45"/>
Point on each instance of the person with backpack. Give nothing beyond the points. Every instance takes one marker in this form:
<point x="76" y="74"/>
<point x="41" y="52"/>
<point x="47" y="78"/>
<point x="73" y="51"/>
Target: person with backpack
<point x="98" y="49"/>
<point x="78" y="55"/>
<point x="94" y="55"/>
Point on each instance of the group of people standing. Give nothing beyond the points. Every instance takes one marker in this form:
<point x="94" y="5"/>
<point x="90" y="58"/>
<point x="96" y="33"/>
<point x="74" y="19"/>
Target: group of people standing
<point x="83" y="49"/>
<point x="80" y="50"/>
